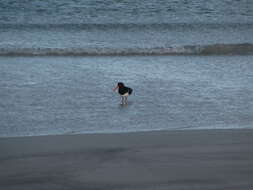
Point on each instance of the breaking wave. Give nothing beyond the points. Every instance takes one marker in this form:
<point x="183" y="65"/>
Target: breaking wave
<point x="215" y="49"/>
<point x="125" y="26"/>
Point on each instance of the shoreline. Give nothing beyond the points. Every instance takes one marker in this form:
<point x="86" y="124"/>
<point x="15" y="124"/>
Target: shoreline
<point x="130" y="132"/>
<point x="179" y="159"/>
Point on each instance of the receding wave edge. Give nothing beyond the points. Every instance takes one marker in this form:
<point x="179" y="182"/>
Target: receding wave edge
<point x="215" y="49"/>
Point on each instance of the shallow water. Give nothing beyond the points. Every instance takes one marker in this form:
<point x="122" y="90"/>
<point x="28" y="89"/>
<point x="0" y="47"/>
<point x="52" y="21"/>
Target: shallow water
<point x="65" y="95"/>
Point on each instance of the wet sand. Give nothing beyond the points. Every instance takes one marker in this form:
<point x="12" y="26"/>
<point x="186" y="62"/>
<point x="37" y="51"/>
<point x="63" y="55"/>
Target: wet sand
<point x="199" y="159"/>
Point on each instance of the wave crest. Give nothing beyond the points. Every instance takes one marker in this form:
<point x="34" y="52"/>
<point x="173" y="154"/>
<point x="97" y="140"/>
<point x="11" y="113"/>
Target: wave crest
<point x="215" y="49"/>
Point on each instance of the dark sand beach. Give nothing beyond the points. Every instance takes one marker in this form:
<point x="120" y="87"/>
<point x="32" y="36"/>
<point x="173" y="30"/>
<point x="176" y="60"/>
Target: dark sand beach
<point x="198" y="159"/>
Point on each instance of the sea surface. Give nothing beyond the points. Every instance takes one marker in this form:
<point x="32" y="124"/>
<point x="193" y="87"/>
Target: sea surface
<point x="188" y="61"/>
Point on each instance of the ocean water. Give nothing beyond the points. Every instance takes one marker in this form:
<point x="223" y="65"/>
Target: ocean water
<point x="125" y="27"/>
<point x="188" y="61"/>
<point x="65" y="95"/>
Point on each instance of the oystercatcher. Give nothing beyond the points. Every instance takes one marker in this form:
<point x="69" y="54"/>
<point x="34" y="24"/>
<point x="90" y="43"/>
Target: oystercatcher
<point x="124" y="91"/>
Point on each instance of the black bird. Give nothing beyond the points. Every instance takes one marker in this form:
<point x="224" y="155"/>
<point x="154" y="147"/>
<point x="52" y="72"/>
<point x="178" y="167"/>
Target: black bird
<point x="124" y="91"/>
